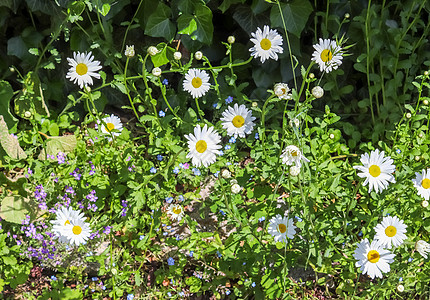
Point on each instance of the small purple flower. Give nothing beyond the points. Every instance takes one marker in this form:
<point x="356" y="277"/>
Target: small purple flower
<point x="170" y="261"/>
<point x="221" y="153"/>
<point x="128" y="158"/>
<point x="216" y="174"/>
<point x="229" y="100"/>
<point x="141" y="237"/>
<point x="75" y="174"/>
<point x="130" y="297"/>
<point x="61" y="157"/>
<point x="181" y="198"/>
<point x="107" y="229"/>
<point x="186" y="166"/>
<point x="159" y="157"/>
<point x="165" y="81"/>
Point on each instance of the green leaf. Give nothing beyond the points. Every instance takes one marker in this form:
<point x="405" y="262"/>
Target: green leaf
<point x="6" y="94"/>
<point x="14" y="209"/>
<point x="227" y="3"/>
<point x="159" y="24"/>
<point x="161" y="58"/>
<point x="205" y="27"/>
<point x="296" y="14"/>
<point x="105" y="9"/>
<point x="187" y="25"/>
<point x="9" y="143"/>
<point x="55" y="144"/>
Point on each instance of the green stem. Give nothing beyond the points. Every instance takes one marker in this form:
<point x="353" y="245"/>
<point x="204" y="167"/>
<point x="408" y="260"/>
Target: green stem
<point x="163" y="93"/>
<point x="227" y="66"/>
<point x="145" y="80"/>
<point x="368" y="58"/>
<point x="129" y="25"/>
<point x="128" y="91"/>
<point x="54" y="37"/>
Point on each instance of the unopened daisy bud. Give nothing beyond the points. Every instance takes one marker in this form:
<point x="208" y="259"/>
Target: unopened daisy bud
<point x="400" y="288"/>
<point x="12" y="69"/>
<point x="408" y="115"/>
<point x="426" y="102"/>
<point x="294" y="171"/>
<point x="254" y="104"/>
<point x="426" y="73"/>
<point x="331" y="136"/>
<point x="177" y="55"/>
<point x="114" y="271"/>
<point x="295" y="123"/>
<point x="198" y="55"/>
<point x="27" y="114"/>
<point x="129" y="51"/>
<point x="235" y="188"/>
<point x="417" y="158"/>
<point x="347" y="16"/>
<point x="225" y="173"/>
<point x="231" y="39"/>
<point x="422" y="247"/>
<point x="87" y="89"/>
<point x="156" y="71"/>
<point x="425" y="203"/>
<point x="311" y="75"/>
<point x="317" y="92"/>
<point x="152" y="50"/>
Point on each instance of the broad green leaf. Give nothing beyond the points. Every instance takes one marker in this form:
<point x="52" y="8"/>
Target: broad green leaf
<point x="105" y="9"/>
<point x="227" y="3"/>
<point x="6" y="94"/>
<point x="9" y="143"/>
<point x="205" y="27"/>
<point x="55" y="144"/>
<point x="14" y="209"/>
<point x="159" y="24"/>
<point x="296" y="14"/>
<point x="161" y="58"/>
<point x="187" y="25"/>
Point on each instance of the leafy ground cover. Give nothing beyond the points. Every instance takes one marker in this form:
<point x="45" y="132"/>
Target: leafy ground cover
<point x="214" y="149"/>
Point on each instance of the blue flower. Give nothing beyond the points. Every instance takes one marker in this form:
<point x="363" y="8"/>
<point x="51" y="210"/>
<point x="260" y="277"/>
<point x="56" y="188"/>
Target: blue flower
<point x="298" y="218"/>
<point x="161" y="114"/>
<point x="221" y="153"/>
<point x="191" y="253"/>
<point x="227" y="292"/>
<point x="53" y="278"/>
<point x="169" y="294"/>
<point x="130" y="297"/>
<point x="262" y="219"/>
<point x="398" y="151"/>
<point x="232" y="140"/>
<point x="94" y="279"/>
<point x="401" y="279"/>
<point x="165" y="81"/>
<point x="219" y="254"/>
<point x="229" y="99"/>
<point x="141" y="237"/>
<point x="176" y="170"/>
<point x="410" y="259"/>
<point x="169" y="199"/>
<point x="181" y="198"/>
<point x="222" y="212"/>
<point x="197" y="172"/>
<point x="216" y="174"/>
<point x="215" y="105"/>
<point x="257" y="136"/>
<point x="227" y="147"/>
<point x="153" y="170"/>
<point x="253" y="284"/>
<point x="159" y="157"/>
<point x="170" y="261"/>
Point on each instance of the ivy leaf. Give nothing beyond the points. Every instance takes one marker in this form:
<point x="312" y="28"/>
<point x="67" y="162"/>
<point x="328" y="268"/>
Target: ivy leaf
<point x="296" y="14"/>
<point x="187" y="25"/>
<point x="9" y="143"/>
<point x="205" y="29"/>
<point x="159" y="24"/>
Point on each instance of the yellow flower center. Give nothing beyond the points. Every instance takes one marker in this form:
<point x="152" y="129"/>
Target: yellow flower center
<point x="110" y="127"/>
<point x="67" y="222"/>
<point x="373" y="256"/>
<point x="81" y="69"/>
<point x="425" y="183"/>
<point x="374" y="170"/>
<point x="238" y="121"/>
<point x="201" y="146"/>
<point x="390" y="231"/>
<point x="177" y="210"/>
<point x="265" y="44"/>
<point x="326" y="55"/>
<point x="77" y="230"/>
<point x="294" y="153"/>
<point x="196" y="82"/>
<point x="282" y="228"/>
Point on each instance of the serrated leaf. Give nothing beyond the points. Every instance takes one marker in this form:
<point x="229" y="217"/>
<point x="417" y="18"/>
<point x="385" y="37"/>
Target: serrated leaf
<point x="296" y="14"/>
<point x="55" y="144"/>
<point x="159" y="24"/>
<point x="9" y="143"/>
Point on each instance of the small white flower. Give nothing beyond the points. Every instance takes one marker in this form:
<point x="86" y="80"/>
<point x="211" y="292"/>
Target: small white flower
<point x="422" y="247"/>
<point x="331" y="136"/>
<point x="156" y="71"/>
<point x="203" y="145"/>
<point x="152" y="51"/>
<point x="196" y="82"/>
<point x="372" y="259"/>
<point x="27" y="114"/>
<point x="422" y="183"/>
<point x="176" y="212"/>
<point x="317" y="92"/>
<point x="282" y="91"/>
<point x="82" y="68"/>
<point x="400" y="288"/>
<point x="177" y="55"/>
<point x="294" y="170"/>
<point x="391" y="231"/>
<point x="267" y="43"/>
<point x="113" y="125"/>
<point x="226" y="173"/>
<point x="238" y="120"/>
<point x="377" y="170"/>
<point x="425" y="203"/>
<point x="198" y="55"/>
<point x="236" y="188"/>
<point x="281" y="228"/>
<point x="328" y="55"/>
<point x="292" y="154"/>
<point x="129" y="51"/>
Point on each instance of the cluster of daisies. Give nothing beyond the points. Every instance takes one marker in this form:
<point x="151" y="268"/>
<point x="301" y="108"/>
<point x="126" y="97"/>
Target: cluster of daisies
<point x="70" y="226"/>
<point x="374" y="257"/>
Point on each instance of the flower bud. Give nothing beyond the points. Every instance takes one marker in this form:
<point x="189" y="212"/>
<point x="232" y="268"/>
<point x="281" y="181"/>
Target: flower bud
<point x="254" y="104"/>
<point x="408" y="115"/>
<point x="152" y="50"/>
<point x="198" y="55"/>
<point x="294" y="171"/>
<point x="87" y="89"/>
<point x="347" y="16"/>
<point x="114" y="271"/>
<point x="156" y="71"/>
<point x="426" y="102"/>
<point x="225" y="173"/>
<point x="27" y="114"/>
<point x="400" y="288"/>
<point x="311" y="75"/>
<point x="331" y="136"/>
<point x="231" y="39"/>
<point x="12" y="69"/>
<point x="177" y="55"/>
<point x="417" y="158"/>
<point x="425" y="203"/>
<point x="129" y="51"/>
<point x="426" y="73"/>
<point x="295" y="123"/>
<point x="317" y="92"/>
<point x="235" y="188"/>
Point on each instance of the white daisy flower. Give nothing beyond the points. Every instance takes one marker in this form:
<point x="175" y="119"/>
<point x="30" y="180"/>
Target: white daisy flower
<point x="372" y="259"/>
<point x="64" y="217"/>
<point x="377" y="170"/>
<point x="422" y="183"/>
<point x="282" y="91"/>
<point x="113" y="125"/>
<point x="203" y="145"/>
<point x="292" y="154"/>
<point x="82" y="68"/>
<point x="328" y="55"/>
<point x="267" y="43"/>
<point x="281" y="228"/>
<point x="422" y="247"/>
<point x="196" y="82"/>
<point x="391" y="231"/>
<point x="176" y="212"/>
<point x="238" y="120"/>
<point x="77" y="232"/>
